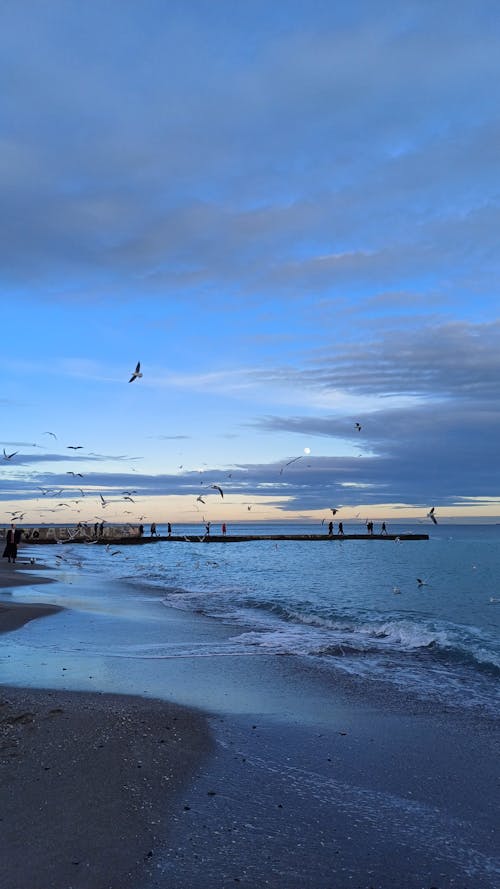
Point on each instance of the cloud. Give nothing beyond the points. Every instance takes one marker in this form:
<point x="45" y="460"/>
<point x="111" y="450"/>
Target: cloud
<point x="334" y="152"/>
<point x="454" y="359"/>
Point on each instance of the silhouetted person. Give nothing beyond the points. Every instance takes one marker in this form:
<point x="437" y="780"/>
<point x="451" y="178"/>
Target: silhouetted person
<point x="153" y="529"/>
<point x="224" y="529"/>
<point x="101" y="529"/>
<point x="383" y="529"/>
<point x="13" y="537"/>
<point x="141" y="530"/>
<point x="369" y="527"/>
<point x="207" y="528"/>
<point x="341" y="528"/>
<point x="169" y="529"/>
<point x="96" y="526"/>
<point x="330" y="528"/>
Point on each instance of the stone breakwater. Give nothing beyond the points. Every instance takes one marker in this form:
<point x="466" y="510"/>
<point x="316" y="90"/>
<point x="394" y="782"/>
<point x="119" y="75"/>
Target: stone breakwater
<point x="131" y="535"/>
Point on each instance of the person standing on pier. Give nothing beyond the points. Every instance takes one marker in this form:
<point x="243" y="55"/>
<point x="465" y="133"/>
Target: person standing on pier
<point x="224" y="529"/>
<point x="383" y="529"/>
<point x="169" y="529"/>
<point x="153" y="529"/>
<point x="207" y="528"/>
<point x="330" y="528"/>
<point x="341" y="529"/>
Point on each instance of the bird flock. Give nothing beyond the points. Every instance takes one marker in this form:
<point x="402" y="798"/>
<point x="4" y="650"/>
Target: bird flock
<point x="126" y="497"/>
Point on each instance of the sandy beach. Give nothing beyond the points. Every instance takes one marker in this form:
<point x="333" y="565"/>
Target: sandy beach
<point x="288" y="780"/>
<point x="87" y="779"/>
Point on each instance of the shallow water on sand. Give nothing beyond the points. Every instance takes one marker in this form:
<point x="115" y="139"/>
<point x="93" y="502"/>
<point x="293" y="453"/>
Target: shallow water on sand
<point x="360" y="749"/>
<point x="350" y="606"/>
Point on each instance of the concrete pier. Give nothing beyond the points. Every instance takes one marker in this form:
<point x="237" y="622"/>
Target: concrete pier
<point x="136" y="540"/>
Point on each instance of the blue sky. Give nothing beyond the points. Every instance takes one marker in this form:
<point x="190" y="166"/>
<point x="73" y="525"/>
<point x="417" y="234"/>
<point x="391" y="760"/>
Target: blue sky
<point x="289" y="214"/>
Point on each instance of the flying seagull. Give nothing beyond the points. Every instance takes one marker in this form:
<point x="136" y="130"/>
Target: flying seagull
<point x="290" y="463"/>
<point x="431" y="516"/>
<point x="358" y="427"/>
<point x="136" y="373"/>
<point x="75" y="447"/>
<point x="221" y="492"/>
<point x="9" y="456"/>
<point x="200" y="499"/>
<point x="50" y="433"/>
<point x="421" y="582"/>
<point x="79" y="474"/>
<point x="333" y="511"/>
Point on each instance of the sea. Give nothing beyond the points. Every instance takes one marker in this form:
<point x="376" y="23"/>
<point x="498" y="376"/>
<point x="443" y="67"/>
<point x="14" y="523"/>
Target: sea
<point x="419" y="618"/>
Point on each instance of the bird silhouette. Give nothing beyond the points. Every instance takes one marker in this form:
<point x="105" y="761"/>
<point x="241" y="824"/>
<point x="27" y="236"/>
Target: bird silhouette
<point x="136" y="373"/>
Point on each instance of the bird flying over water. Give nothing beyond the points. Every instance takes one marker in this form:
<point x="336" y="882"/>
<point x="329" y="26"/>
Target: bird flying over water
<point x="221" y="492"/>
<point x="75" y="447"/>
<point x="358" y="427"/>
<point x="136" y="373"/>
<point x="200" y="499"/>
<point x="9" y="456"/>
<point x="79" y="474"/>
<point x="431" y="516"/>
<point x="50" y="433"/>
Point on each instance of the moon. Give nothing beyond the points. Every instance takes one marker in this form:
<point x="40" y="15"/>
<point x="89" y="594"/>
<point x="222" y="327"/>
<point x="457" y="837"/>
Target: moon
<point x="307" y="450"/>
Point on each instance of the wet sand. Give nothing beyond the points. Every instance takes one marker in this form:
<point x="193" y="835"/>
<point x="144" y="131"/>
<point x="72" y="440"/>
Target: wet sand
<point x="87" y="780"/>
<point x="318" y="787"/>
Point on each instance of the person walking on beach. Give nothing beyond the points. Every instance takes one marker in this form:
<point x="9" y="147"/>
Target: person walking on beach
<point x="383" y="529"/>
<point x="153" y="529"/>
<point x="341" y="529"/>
<point x="330" y="528"/>
<point x="169" y="529"/>
<point x="369" y="527"/>
<point x="12" y="540"/>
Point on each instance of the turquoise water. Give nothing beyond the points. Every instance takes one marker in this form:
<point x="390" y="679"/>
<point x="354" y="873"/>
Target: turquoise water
<point x="349" y="606"/>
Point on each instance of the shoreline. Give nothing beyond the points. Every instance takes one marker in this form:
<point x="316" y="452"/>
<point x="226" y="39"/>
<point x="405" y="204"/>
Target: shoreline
<point x="91" y="778"/>
<point x="314" y="782"/>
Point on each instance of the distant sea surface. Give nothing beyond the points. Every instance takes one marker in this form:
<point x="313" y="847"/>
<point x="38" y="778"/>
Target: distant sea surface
<point x="350" y="606"/>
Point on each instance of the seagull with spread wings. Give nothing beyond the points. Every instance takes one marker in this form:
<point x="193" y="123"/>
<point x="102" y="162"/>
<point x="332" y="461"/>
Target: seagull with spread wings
<point x="136" y="374"/>
<point x="7" y="456"/>
<point x="431" y="516"/>
<point x="217" y="488"/>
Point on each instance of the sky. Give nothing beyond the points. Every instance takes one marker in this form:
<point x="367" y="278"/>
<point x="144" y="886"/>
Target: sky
<point x="289" y="214"/>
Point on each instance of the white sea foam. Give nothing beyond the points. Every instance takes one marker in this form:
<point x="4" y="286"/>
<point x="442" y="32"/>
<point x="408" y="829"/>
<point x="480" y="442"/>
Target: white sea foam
<point x="336" y="603"/>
